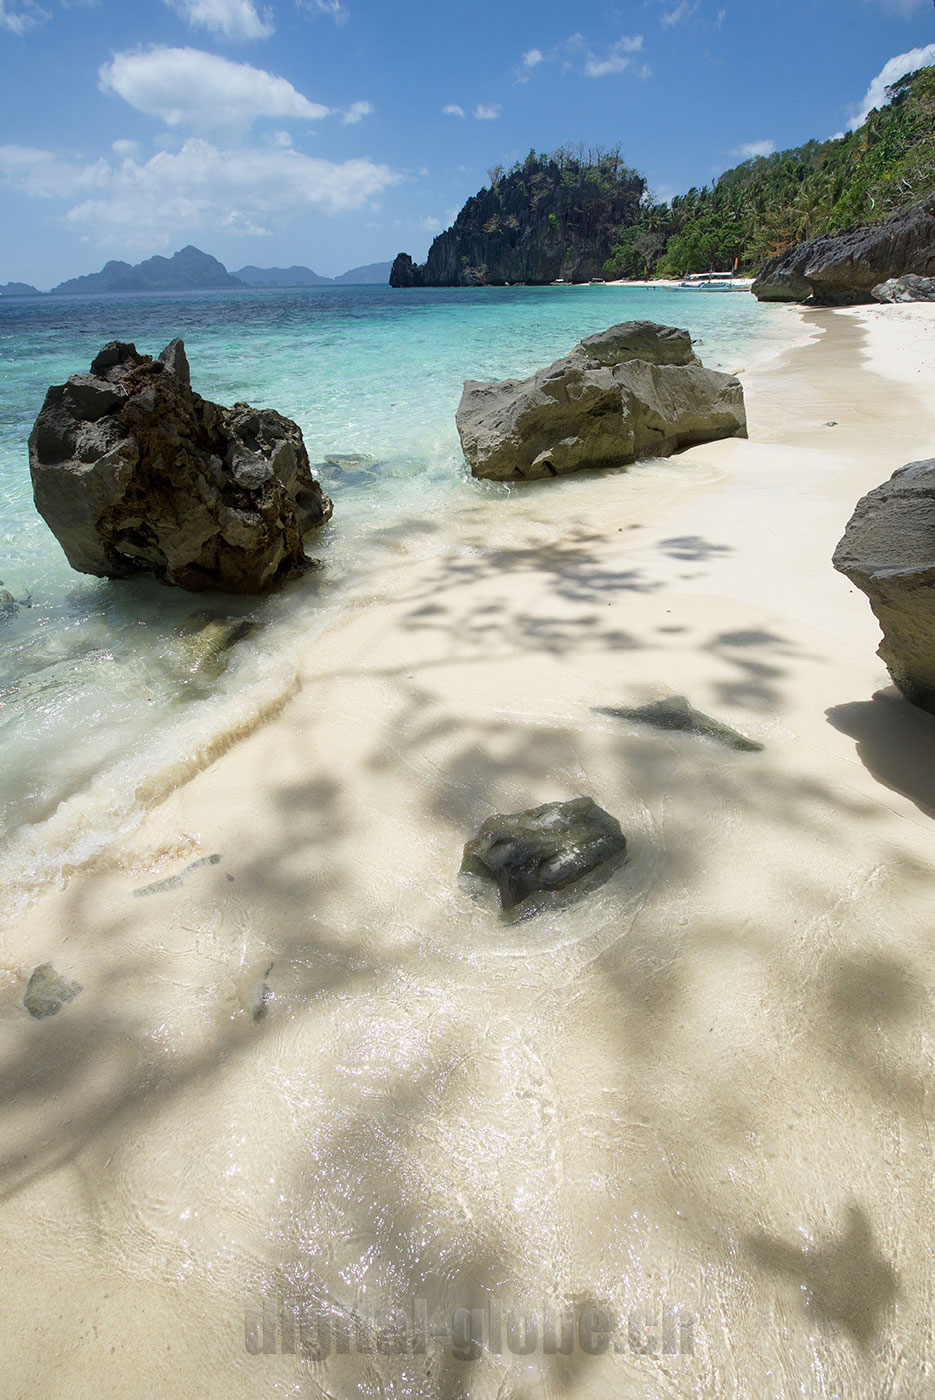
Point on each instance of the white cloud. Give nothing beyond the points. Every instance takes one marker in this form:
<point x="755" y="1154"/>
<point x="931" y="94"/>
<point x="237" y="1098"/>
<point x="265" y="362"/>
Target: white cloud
<point x="200" y="91"/>
<point x="721" y="17"/>
<point x="897" y="67"/>
<point x="232" y="19"/>
<point x="17" y="18"/>
<point x="199" y="188"/>
<point x="616" y="59"/>
<point x="356" y="113"/>
<point x="683" y="11"/>
<point x="453" y="110"/>
<point x="749" y="149"/>
<point x="431" y="225"/>
<point x="125" y="149"/>
<point x="333" y="8"/>
<point x="532" y="57"/>
<point x="487" y="111"/>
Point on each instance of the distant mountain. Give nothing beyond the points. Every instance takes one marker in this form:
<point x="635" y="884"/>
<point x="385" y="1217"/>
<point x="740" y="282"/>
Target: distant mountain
<point x="18" y="289"/>
<point x="370" y="273"/>
<point x="189" y="270"/>
<point x="281" y="277"/>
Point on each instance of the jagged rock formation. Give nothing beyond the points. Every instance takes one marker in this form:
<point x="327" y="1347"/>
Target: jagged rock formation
<point x="135" y="473"/>
<point x="19" y="289"/>
<point x="189" y="270"/>
<point x="888" y="551"/>
<point x="842" y="269"/>
<point x="552" y="217"/>
<point x="636" y="390"/>
<point x="543" y="850"/>
<point x="908" y="288"/>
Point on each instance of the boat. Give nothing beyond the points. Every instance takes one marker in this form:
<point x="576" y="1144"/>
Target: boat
<point x="711" y="282"/>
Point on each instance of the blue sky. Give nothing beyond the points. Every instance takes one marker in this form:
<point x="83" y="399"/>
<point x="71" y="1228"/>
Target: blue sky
<point x="338" y="132"/>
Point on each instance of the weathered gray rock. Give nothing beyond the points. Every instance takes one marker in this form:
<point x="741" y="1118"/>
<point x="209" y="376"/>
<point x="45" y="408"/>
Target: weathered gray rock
<point x="543" y="850"/>
<point x="888" y="551"/>
<point x="842" y="269"/>
<point x="676" y="712"/>
<point x="636" y="390"/>
<point x="908" y="288"/>
<point x="135" y="473"/>
<point x="8" y="604"/>
<point x="47" y="992"/>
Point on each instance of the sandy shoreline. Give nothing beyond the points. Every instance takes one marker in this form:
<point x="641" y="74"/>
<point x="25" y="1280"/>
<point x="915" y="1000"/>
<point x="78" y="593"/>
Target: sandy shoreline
<point x="704" y="1086"/>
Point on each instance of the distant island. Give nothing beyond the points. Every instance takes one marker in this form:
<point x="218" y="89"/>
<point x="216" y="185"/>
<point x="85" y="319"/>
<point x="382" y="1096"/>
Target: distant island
<point x="191" y="270"/>
<point x="371" y="273"/>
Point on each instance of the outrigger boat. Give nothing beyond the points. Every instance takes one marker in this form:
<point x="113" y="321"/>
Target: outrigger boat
<point x="710" y="282"/>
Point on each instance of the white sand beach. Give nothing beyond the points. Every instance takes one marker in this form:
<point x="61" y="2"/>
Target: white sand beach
<point x="315" y="1072"/>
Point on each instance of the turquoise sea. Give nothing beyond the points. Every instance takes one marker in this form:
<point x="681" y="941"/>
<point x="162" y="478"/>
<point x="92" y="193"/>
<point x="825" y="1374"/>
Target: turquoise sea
<point x="100" y="709"/>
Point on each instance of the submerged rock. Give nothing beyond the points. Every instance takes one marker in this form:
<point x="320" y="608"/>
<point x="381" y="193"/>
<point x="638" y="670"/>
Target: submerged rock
<point x="908" y="288"/>
<point x="207" y="642"/>
<point x="135" y="473"/>
<point x="676" y="712"/>
<point x="841" y="269"/>
<point x="544" y="849"/>
<point x="636" y="390"/>
<point x="48" y="992"/>
<point x="8" y="604"/>
<point x="888" y="551"/>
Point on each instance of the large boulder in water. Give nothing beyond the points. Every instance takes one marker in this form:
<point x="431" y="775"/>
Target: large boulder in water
<point x="136" y="473"/>
<point x="842" y="269"/>
<point x="888" y="550"/>
<point x="636" y="390"/>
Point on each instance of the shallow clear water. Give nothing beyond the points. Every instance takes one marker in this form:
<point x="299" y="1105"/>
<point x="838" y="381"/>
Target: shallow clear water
<point x="99" y="705"/>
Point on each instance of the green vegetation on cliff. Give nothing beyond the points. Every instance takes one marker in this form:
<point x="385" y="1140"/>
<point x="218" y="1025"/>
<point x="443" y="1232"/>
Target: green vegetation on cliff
<point x="765" y="205"/>
<point x="549" y="216"/>
<point x="582" y="214"/>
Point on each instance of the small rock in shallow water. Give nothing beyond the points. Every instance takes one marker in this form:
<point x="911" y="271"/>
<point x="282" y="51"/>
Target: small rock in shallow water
<point x="676" y="712"/>
<point x="544" y="849"/>
<point x="47" y="992"/>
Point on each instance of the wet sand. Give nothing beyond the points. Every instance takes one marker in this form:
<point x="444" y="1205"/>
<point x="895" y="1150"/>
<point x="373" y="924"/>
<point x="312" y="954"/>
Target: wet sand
<point x="313" y="1072"/>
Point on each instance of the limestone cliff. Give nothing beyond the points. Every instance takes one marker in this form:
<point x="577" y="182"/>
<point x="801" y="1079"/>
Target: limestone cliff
<point x="550" y="217"/>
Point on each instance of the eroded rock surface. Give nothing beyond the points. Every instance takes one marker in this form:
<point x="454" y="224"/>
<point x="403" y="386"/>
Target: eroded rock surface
<point x="543" y="850"/>
<point x="136" y="473"/>
<point x="842" y="269"/>
<point x="888" y="551"/>
<point x="636" y="390"/>
<point x="908" y="288"/>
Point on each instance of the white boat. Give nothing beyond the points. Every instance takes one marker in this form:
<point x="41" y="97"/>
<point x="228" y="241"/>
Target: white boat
<point x="711" y="282"/>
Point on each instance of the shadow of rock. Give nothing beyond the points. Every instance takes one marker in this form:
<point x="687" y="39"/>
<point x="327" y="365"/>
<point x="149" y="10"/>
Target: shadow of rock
<point x="895" y="742"/>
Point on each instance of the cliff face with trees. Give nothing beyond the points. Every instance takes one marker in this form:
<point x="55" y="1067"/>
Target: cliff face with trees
<point x="578" y="215"/>
<point x="767" y="204"/>
<point x="551" y="216"/>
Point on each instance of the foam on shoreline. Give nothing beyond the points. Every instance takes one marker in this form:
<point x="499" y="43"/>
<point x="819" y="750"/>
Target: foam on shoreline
<point x="704" y="1085"/>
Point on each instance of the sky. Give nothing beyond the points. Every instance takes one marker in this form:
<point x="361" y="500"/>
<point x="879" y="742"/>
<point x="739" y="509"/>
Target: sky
<point x="333" y="133"/>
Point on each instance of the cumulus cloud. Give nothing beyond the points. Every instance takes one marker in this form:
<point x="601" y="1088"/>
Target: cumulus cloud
<point x="191" y="89"/>
<point x="576" y="54"/>
<point x="487" y="111"/>
<point x="196" y="189"/>
<point x="17" y="18"/>
<point x="749" y="149"/>
<point x="453" y="110"/>
<point x="231" y="19"/>
<point x="332" y="8"/>
<point x="896" y="68"/>
<point x="618" y="57"/>
<point x="47" y="175"/>
<point x="356" y="113"/>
